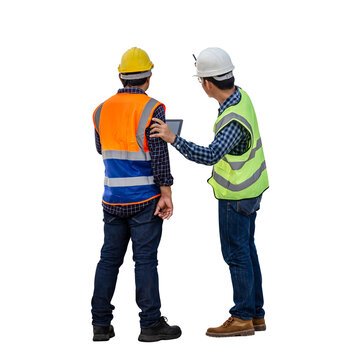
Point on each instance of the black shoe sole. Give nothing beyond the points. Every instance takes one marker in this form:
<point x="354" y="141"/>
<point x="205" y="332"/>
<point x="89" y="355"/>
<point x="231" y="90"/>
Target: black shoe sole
<point x="153" y="338"/>
<point x="104" y="337"/>
<point x="261" y="327"/>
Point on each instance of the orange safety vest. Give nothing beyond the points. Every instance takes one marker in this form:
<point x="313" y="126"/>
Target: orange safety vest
<point x="121" y="122"/>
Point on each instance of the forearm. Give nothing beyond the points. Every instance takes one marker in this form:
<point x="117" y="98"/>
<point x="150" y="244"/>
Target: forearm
<point x="224" y="141"/>
<point x="199" y="154"/>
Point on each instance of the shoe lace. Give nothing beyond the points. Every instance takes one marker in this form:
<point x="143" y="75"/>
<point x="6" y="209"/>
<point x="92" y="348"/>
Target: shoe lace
<point x="228" y="322"/>
<point x="163" y="320"/>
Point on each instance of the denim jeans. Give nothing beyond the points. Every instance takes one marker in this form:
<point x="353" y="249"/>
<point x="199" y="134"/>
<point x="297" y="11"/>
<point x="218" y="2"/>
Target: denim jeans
<point x="144" y="229"/>
<point x="237" y="227"/>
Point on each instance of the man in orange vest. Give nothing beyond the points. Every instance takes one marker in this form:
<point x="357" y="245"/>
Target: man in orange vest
<point x="137" y="198"/>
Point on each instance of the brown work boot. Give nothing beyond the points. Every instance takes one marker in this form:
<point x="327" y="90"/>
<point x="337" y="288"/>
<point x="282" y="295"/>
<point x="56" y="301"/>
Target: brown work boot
<point x="232" y="327"/>
<point x="259" y="324"/>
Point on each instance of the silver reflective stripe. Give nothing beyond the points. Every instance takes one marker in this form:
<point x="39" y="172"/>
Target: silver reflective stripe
<point x="245" y="184"/>
<point x="237" y="165"/>
<point x="129" y="181"/>
<point x="126" y="155"/>
<point x="97" y="118"/>
<point x="224" y="77"/>
<point x="140" y="133"/>
<point x="139" y="75"/>
<point x="229" y="117"/>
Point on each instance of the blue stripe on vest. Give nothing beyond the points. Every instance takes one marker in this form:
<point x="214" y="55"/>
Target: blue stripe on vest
<point x="115" y="168"/>
<point x="129" y="194"/>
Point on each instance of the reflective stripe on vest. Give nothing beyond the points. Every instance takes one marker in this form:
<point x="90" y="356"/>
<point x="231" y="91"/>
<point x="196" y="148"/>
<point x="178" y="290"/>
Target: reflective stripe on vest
<point x="129" y="181"/>
<point x="97" y="117"/>
<point x="228" y="118"/>
<point x="140" y="133"/>
<point x="126" y="155"/>
<point x="237" y="165"/>
<point x="245" y="184"/>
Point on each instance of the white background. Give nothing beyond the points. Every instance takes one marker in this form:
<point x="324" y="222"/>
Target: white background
<point x="299" y="62"/>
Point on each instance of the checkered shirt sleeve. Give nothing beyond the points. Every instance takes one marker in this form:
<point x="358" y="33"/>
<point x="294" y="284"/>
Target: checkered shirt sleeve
<point x="158" y="149"/>
<point x="224" y="142"/>
<point x="233" y="139"/>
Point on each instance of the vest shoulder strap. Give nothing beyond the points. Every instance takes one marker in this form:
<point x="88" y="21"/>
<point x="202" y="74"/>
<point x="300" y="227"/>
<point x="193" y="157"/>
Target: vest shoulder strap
<point x="96" y="117"/>
<point x="149" y="109"/>
<point x="225" y="120"/>
<point x="236" y="112"/>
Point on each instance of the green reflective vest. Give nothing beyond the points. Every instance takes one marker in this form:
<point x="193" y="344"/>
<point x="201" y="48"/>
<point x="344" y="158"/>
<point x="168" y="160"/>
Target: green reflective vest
<point x="237" y="177"/>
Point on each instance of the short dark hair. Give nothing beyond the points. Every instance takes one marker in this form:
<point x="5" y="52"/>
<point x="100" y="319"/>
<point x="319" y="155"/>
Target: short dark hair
<point x="222" y="85"/>
<point x="134" y="82"/>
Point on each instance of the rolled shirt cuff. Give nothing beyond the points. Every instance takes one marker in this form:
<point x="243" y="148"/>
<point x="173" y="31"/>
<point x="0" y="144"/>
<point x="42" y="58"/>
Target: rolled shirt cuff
<point x="177" y="142"/>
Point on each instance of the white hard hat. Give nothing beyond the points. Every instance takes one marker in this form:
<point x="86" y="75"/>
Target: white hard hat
<point x="212" y="62"/>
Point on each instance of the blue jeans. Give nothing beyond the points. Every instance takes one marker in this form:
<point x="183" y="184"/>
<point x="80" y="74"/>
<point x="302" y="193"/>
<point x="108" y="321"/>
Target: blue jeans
<point x="144" y="229"/>
<point x="237" y="227"/>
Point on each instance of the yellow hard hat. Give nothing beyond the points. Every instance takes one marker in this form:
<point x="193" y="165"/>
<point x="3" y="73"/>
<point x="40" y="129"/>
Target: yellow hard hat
<point x="135" y="60"/>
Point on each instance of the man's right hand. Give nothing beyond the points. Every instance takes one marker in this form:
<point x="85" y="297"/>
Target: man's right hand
<point x="164" y="207"/>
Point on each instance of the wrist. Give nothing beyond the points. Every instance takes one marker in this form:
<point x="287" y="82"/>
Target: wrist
<point x="165" y="191"/>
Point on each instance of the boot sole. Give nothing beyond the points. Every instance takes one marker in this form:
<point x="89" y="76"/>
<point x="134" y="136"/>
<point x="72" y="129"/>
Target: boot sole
<point x="260" y="327"/>
<point x="234" y="333"/>
<point x="153" y="338"/>
<point x="103" y="337"/>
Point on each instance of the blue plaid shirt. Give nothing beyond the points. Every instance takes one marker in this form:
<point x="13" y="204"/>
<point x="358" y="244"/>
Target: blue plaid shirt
<point x="233" y="139"/>
<point x="160" y="162"/>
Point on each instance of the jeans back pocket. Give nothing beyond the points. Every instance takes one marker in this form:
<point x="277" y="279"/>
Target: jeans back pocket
<point x="248" y="206"/>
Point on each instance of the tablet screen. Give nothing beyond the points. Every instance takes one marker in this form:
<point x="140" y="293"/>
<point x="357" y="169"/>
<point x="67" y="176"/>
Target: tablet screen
<point x="175" y="126"/>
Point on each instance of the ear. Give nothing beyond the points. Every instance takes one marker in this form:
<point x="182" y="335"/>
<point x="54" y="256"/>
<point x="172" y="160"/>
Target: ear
<point x="210" y="85"/>
<point x="207" y="85"/>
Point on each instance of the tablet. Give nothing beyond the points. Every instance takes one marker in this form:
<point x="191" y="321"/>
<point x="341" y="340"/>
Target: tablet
<point x="175" y="126"/>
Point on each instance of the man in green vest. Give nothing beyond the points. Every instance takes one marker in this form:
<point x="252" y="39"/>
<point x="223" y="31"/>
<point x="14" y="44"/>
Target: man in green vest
<point x="239" y="178"/>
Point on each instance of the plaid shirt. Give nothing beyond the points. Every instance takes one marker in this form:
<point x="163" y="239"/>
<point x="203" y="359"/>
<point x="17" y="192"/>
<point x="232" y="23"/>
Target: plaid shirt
<point x="160" y="162"/>
<point x="233" y="139"/>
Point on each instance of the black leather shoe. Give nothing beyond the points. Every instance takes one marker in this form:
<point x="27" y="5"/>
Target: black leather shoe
<point x="160" y="331"/>
<point x="103" y="333"/>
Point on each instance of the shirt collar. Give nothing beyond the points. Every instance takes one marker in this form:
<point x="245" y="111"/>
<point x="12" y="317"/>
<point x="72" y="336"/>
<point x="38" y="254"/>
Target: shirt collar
<point x="233" y="99"/>
<point x="131" y="90"/>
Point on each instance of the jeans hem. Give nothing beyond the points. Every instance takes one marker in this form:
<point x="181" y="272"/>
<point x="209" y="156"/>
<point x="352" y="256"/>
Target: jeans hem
<point x="98" y="324"/>
<point x="242" y="317"/>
